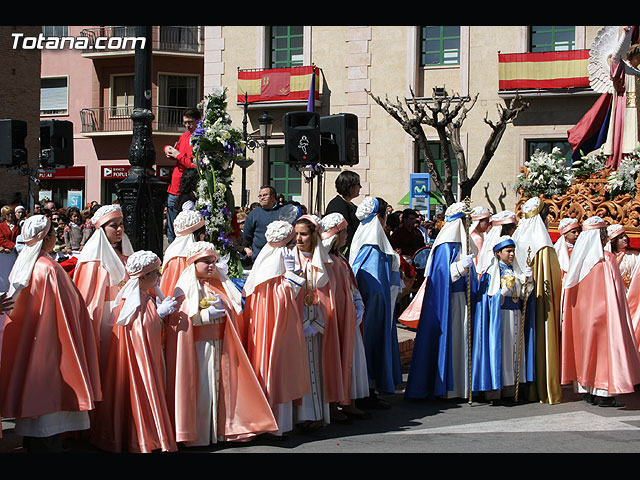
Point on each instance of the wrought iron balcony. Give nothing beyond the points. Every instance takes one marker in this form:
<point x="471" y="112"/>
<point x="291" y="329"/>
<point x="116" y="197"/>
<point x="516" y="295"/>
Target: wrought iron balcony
<point x="165" y="38"/>
<point x="117" y="119"/>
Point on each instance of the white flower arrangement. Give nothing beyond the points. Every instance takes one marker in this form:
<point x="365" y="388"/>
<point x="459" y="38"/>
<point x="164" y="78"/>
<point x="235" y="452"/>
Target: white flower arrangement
<point x="588" y="164"/>
<point x="546" y="175"/>
<point x="217" y="145"/>
<point x="623" y="180"/>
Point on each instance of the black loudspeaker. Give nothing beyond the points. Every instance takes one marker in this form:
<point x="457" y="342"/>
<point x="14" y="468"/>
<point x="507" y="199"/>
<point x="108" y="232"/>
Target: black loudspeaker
<point x="56" y="143"/>
<point x="12" y="148"/>
<point x="339" y="135"/>
<point x="302" y="138"/>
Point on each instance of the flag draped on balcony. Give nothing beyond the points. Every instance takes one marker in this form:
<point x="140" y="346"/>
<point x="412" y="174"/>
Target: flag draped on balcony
<point x="544" y="70"/>
<point x="277" y="84"/>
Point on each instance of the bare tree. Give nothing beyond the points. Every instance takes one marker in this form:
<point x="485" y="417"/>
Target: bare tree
<point x="446" y="114"/>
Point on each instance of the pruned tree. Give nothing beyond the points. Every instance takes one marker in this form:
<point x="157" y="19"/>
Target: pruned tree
<point x="446" y="114"/>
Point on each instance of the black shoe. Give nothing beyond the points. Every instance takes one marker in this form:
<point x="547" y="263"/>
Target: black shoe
<point x="609" y="402"/>
<point x="590" y="399"/>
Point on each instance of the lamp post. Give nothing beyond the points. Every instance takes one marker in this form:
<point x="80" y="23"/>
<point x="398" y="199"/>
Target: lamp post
<point x="142" y="194"/>
<point x="266" y="127"/>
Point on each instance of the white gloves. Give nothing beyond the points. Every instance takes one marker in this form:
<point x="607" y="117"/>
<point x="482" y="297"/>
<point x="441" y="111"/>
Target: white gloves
<point x="467" y="261"/>
<point x="289" y="260"/>
<point x="528" y="273"/>
<point x="216" y="309"/>
<point x="166" y="307"/>
<point x="505" y="291"/>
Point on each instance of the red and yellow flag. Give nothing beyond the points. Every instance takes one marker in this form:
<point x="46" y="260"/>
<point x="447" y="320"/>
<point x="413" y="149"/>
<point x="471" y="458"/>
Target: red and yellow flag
<point x="277" y="84"/>
<point x="566" y="69"/>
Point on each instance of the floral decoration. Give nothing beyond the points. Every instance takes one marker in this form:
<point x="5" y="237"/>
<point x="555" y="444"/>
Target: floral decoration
<point x="623" y="180"/>
<point x="217" y="146"/>
<point x="545" y="174"/>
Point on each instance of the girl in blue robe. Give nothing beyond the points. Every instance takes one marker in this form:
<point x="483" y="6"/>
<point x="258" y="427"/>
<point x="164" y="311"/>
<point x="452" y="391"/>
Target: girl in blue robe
<point x="377" y="270"/>
<point x="439" y="362"/>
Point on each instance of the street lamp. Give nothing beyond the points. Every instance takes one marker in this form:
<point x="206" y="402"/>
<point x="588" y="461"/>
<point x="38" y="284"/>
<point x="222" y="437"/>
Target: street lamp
<point x="141" y="194"/>
<point x="265" y="129"/>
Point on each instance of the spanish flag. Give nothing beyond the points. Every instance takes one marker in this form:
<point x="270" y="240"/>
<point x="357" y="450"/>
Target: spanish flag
<point x="545" y="70"/>
<point x="277" y="84"/>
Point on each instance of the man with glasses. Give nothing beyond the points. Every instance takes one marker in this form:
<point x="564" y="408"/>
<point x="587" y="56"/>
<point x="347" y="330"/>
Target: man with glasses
<point x="183" y="155"/>
<point x="256" y="222"/>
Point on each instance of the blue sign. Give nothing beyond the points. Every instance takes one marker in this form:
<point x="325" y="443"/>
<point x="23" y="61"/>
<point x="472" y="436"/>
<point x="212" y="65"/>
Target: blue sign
<point x="420" y="192"/>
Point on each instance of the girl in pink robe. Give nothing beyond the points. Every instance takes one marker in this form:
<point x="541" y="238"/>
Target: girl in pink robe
<point x="188" y="227"/>
<point x="349" y="311"/>
<point x="273" y="324"/>
<point x="49" y="374"/>
<point x="317" y="303"/>
<point x="100" y="271"/>
<point x="133" y="415"/>
<point x="212" y="391"/>
<point x="598" y="347"/>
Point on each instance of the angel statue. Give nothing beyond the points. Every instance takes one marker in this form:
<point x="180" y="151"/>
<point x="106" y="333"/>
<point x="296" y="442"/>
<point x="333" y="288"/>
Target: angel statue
<point x="613" y="71"/>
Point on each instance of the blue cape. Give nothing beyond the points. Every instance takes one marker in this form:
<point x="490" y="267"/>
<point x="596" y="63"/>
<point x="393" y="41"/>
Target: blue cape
<point x="430" y="373"/>
<point x="373" y="271"/>
<point x="487" y="341"/>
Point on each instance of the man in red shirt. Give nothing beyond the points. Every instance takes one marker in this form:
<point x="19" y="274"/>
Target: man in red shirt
<point x="408" y="238"/>
<point x="183" y="155"/>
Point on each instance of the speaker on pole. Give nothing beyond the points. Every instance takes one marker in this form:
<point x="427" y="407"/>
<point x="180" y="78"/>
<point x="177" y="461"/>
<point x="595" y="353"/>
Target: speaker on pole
<point x="339" y="135"/>
<point x="12" y="148"/>
<point x="302" y="138"/>
<point x="56" y="143"/>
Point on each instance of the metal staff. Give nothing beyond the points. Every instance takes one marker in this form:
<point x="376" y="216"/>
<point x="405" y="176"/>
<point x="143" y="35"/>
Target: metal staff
<point x="524" y="319"/>
<point x="467" y="212"/>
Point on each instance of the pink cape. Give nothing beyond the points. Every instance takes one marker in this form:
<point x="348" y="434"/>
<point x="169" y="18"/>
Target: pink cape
<point x="410" y="317"/>
<point x="170" y="275"/>
<point x="275" y="341"/>
<point x="92" y="279"/>
<point x="133" y="414"/>
<point x="598" y="347"/>
<point x="49" y="357"/>
<point x="343" y="328"/>
<point x="243" y="410"/>
<point x="332" y="368"/>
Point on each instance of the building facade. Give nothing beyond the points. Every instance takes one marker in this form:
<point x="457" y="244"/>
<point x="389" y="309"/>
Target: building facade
<point x="393" y="61"/>
<point x="92" y="86"/>
<point x="93" y="89"/>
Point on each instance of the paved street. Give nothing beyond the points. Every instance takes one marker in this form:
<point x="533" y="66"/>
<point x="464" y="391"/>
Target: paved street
<point x="429" y="427"/>
<point x="450" y="427"/>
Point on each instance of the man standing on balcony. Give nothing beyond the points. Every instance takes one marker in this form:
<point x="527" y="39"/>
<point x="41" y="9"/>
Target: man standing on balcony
<point x="183" y="156"/>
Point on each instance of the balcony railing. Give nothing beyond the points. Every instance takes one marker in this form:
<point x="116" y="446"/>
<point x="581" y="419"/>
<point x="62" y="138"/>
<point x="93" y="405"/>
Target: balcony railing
<point x="118" y="119"/>
<point x="179" y="39"/>
<point x="543" y="70"/>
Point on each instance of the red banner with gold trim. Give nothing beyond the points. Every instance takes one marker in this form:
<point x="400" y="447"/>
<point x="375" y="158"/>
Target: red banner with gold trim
<point x="277" y="84"/>
<point x="568" y="69"/>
